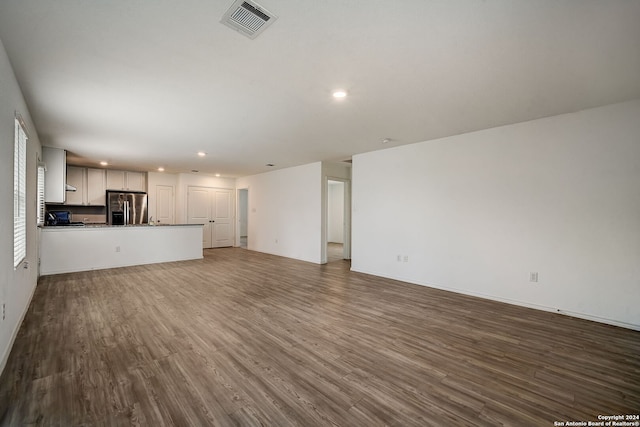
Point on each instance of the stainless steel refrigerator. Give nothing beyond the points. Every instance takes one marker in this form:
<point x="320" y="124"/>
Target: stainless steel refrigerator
<point x="126" y="207"/>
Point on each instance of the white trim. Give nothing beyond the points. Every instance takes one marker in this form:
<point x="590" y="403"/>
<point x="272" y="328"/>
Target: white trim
<point x="14" y="335"/>
<point x="19" y="194"/>
<point x="237" y="216"/>
<point x="325" y="215"/>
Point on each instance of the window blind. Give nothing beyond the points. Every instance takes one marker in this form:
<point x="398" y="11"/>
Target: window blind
<point x="41" y="205"/>
<point x="19" y="195"/>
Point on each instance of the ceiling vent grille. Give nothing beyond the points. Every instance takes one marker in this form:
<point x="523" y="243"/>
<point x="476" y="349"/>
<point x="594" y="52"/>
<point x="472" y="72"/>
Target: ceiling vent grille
<point x="248" y="18"/>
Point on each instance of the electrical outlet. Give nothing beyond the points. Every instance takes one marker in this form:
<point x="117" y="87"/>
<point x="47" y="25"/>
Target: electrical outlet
<point x="533" y="276"/>
<point x="4" y="311"/>
<point x="399" y="258"/>
<point x="406" y="258"/>
<point x="117" y="248"/>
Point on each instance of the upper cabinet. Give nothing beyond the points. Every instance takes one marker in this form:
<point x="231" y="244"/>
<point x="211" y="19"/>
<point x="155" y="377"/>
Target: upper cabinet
<point x="126" y="180"/>
<point x="90" y="186"/>
<point x="115" y="180"/>
<point x="55" y="174"/>
<point x="136" y="181"/>
<point x="96" y="186"/>
<point x="90" y="183"/>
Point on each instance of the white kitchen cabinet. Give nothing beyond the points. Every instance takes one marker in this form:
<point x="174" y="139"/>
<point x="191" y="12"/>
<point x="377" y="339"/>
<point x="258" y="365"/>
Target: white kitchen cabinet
<point x="115" y="180"/>
<point x="126" y="180"/>
<point x="90" y="186"/>
<point x="96" y="186"/>
<point x="55" y="174"/>
<point x="135" y="181"/>
<point x="76" y="177"/>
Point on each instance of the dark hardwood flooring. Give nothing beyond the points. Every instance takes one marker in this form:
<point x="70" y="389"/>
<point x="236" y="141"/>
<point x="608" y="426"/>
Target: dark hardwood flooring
<point x="244" y="338"/>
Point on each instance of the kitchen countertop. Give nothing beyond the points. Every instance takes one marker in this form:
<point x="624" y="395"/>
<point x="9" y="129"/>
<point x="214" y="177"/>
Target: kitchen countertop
<point x="103" y="226"/>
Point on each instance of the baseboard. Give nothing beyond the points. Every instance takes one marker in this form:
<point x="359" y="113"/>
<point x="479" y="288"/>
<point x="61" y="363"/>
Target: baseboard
<point x="579" y="315"/>
<point x="285" y="256"/>
<point x="7" y="352"/>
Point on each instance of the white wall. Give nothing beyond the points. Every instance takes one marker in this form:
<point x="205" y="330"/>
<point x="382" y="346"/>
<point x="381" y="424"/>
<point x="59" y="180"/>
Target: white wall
<point x="476" y="213"/>
<point x="16" y="287"/>
<point x="285" y="214"/>
<point x="335" y="219"/>
<point x="336" y="170"/>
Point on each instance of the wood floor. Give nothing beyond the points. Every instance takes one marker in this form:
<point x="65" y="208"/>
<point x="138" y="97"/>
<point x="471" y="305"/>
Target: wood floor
<point x="334" y="252"/>
<point x="243" y="338"/>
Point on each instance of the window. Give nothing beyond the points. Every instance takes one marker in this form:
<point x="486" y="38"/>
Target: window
<point x="19" y="194"/>
<point x="41" y="206"/>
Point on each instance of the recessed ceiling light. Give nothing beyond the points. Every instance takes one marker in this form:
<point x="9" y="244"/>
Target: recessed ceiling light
<point x="161" y="169"/>
<point x="103" y="163"/>
<point x="194" y="171"/>
<point x="201" y="153"/>
<point x="339" y="94"/>
<point x="386" y="140"/>
<point x="217" y="174"/>
<point x="270" y="165"/>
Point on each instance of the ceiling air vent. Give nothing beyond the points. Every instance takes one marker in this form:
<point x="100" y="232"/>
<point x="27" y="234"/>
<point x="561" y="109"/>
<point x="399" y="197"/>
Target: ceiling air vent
<point x="248" y="18"/>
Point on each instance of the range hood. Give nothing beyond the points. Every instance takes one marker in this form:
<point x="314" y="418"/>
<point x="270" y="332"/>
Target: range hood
<point x="68" y="187"/>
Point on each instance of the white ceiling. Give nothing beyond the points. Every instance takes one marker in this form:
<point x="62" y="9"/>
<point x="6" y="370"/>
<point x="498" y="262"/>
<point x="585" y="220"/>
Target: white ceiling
<point x="148" y="83"/>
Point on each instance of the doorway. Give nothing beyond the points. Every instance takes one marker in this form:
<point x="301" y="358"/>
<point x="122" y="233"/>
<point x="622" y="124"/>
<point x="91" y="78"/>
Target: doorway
<point x="243" y="217"/>
<point x="338" y="226"/>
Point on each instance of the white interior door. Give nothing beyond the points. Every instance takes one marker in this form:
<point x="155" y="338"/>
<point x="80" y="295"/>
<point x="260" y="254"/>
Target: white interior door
<point x="199" y="211"/>
<point x="213" y="208"/>
<point x="222" y="218"/>
<point x="164" y="204"/>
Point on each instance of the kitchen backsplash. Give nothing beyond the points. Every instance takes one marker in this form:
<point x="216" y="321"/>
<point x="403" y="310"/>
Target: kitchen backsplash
<point x="86" y="214"/>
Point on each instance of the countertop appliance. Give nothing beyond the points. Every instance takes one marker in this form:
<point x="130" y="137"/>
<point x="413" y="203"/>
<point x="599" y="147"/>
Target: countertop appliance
<point x="126" y="207"/>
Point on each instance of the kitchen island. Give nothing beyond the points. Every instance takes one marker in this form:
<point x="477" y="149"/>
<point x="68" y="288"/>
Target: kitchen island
<point x="94" y="247"/>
